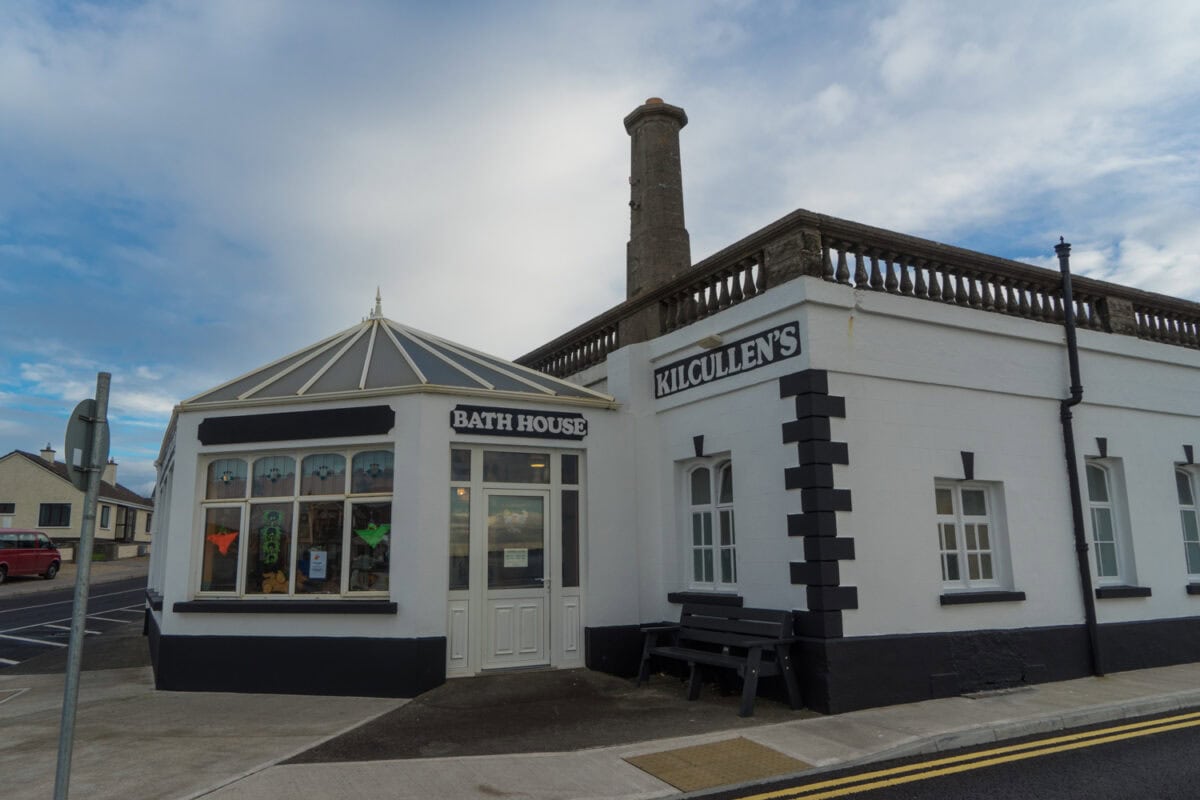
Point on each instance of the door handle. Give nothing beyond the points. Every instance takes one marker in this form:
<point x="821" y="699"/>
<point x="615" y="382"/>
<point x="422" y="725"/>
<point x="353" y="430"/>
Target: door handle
<point x="543" y="581"/>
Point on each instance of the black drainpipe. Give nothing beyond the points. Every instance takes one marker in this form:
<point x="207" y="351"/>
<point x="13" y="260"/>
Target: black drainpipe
<point x="1063" y="249"/>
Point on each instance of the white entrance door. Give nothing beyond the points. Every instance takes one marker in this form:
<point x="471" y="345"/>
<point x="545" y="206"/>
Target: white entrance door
<point x="517" y="607"/>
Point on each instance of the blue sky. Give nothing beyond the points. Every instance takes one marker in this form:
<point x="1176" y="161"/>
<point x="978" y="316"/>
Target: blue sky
<point x="189" y="190"/>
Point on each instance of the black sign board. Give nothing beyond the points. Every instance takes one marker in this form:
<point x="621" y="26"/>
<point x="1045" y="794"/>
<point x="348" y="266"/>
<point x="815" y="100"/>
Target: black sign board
<point x="734" y="358"/>
<point x="518" y="422"/>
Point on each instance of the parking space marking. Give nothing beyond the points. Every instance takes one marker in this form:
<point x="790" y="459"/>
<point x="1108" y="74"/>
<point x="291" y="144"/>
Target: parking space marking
<point x="68" y="627"/>
<point x="69" y="602"/>
<point x="110" y="619"/>
<point x="32" y="641"/>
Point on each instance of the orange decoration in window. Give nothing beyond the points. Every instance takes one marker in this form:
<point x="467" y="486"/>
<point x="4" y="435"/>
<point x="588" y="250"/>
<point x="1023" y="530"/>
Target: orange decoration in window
<point x="222" y="541"/>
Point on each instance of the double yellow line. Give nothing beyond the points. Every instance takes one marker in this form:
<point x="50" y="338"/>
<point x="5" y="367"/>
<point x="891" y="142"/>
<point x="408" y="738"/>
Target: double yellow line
<point x="910" y="773"/>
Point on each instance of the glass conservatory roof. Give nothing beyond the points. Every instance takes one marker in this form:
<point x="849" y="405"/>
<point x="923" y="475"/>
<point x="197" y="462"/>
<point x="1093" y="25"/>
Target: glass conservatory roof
<point x="379" y="355"/>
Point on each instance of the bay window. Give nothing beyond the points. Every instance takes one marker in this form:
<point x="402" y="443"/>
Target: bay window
<point x="290" y="524"/>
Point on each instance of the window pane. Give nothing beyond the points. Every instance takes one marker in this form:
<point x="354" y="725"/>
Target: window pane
<point x="268" y="548"/>
<point x="951" y="567"/>
<point x="985" y="566"/>
<point x="973" y="567"/>
<point x="319" y="548"/>
<point x="974" y="502"/>
<point x="1102" y="524"/>
<point x="727" y="574"/>
<point x="1189" y="525"/>
<point x="698" y="566"/>
<point x="969" y="532"/>
<point x="226" y="479"/>
<point x="984" y="543"/>
<point x="274" y="476"/>
<point x="570" y="470"/>
<point x="707" y="528"/>
<point x="1097" y="485"/>
<point x="1184" y="488"/>
<point x="324" y="473"/>
<point x="372" y="472"/>
<point x="460" y="538"/>
<point x="516" y="467"/>
<point x="697" y="529"/>
<point x="708" y="566"/>
<point x="370" y="546"/>
<point x="222" y="528"/>
<point x="1193" y="558"/>
<point x="949" y="540"/>
<point x="460" y="465"/>
<point x="1106" y="559"/>
<point x="945" y="501"/>
<point x="725" y="496"/>
<point x="701" y="487"/>
<point x="570" y="537"/>
<point x="726" y="528"/>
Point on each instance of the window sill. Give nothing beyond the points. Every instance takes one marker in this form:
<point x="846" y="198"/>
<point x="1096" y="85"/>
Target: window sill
<point x="990" y="596"/>
<point x="1111" y="592"/>
<point x="285" y="607"/>
<point x="708" y="598"/>
<point x="155" y="599"/>
<point x="1193" y="588"/>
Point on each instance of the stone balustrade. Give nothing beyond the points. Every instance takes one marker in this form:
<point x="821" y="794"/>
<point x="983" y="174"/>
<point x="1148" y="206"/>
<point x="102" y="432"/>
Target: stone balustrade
<point x="864" y="258"/>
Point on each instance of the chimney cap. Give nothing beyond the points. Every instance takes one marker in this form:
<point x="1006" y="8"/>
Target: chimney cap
<point x="654" y="106"/>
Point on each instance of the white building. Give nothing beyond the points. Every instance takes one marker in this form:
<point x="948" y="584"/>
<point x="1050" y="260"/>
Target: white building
<point x="384" y="510"/>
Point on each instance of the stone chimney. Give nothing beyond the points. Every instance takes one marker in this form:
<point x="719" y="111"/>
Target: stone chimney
<point x="48" y="453"/>
<point x="659" y="248"/>
<point x="110" y="472"/>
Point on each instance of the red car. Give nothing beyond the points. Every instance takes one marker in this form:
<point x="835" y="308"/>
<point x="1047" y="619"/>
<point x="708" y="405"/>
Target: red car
<point x="27" y="553"/>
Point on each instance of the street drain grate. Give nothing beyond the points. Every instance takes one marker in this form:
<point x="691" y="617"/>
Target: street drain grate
<point x="704" y="766"/>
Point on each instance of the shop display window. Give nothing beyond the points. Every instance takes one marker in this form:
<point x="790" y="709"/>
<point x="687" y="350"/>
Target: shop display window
<point x="269" y="531"/>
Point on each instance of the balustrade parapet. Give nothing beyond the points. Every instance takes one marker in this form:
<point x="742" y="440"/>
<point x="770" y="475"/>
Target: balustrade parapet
<point x="868" y="259"/>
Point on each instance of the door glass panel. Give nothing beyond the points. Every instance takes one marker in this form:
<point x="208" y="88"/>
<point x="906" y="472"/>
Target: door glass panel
<point x="460" y="465"/>
<point x="319" y="548"/>
<point x="516" y="531"/>
<point x="570" y="537"/>
<point x="570" y="470"/>
<point x="460" y="537"/>
<point x="501" y="467"/>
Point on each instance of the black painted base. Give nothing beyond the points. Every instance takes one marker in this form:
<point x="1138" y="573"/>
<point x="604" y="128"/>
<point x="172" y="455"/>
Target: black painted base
<point x="840" y="675"/>
<point x="356" y="666"/>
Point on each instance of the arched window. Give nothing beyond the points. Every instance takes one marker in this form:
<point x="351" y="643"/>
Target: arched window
<point x="713" y="542"/>
<point x="1189" y="517"/>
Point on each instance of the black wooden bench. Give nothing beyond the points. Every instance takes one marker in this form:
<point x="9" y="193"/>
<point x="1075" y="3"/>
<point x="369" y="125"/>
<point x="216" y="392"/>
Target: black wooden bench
<point x="752" y="641"/>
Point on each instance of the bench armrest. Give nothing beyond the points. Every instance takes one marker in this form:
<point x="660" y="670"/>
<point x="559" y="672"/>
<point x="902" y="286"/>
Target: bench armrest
<point x="659" y="628"/>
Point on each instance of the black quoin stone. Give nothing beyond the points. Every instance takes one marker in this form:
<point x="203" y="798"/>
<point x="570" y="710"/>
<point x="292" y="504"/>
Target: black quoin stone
<point x="815" y="573"/>
<point x="814" y="523"/>
<point x="809" y="476"/>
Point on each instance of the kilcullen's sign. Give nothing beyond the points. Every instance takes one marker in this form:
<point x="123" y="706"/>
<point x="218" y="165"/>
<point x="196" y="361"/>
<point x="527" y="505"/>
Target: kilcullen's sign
<point x="734" y="358"/>
<point x="518" y="422"/>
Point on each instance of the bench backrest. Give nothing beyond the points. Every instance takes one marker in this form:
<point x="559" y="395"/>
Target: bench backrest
<point x="718" y="624"/>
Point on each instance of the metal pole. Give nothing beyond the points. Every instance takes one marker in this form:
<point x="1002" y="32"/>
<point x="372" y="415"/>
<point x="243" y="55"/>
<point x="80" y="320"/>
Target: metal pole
<point x="83" y="558"/>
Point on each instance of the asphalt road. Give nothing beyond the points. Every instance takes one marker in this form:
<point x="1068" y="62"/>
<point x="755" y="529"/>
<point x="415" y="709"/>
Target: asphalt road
<point x="33" y="625"/>
<point x="1148" y="759"/>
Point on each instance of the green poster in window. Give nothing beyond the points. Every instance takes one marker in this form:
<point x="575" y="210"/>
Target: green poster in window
<point x="373" y="533"/>
<point x="270" y="538"/>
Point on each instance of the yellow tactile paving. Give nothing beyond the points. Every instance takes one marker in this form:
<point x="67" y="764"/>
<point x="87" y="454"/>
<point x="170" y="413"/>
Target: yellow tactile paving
<point x="718" y="764"/>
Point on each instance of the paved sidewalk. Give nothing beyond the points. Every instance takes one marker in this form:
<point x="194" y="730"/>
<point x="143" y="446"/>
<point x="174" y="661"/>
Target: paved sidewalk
<point x="825" y="742"/>
<point x="101" y="572"/>
<point x="229" y="747"/>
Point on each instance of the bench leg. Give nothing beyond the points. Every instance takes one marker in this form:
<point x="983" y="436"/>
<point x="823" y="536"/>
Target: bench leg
<point x="783" y="654"/>
<point x="693" y="681"/>
<point x="644" y="670"/>
<point x="750" y="684"/>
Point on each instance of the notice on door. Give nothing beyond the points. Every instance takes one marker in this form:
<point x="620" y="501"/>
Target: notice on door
<point x="516" y="557"/>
